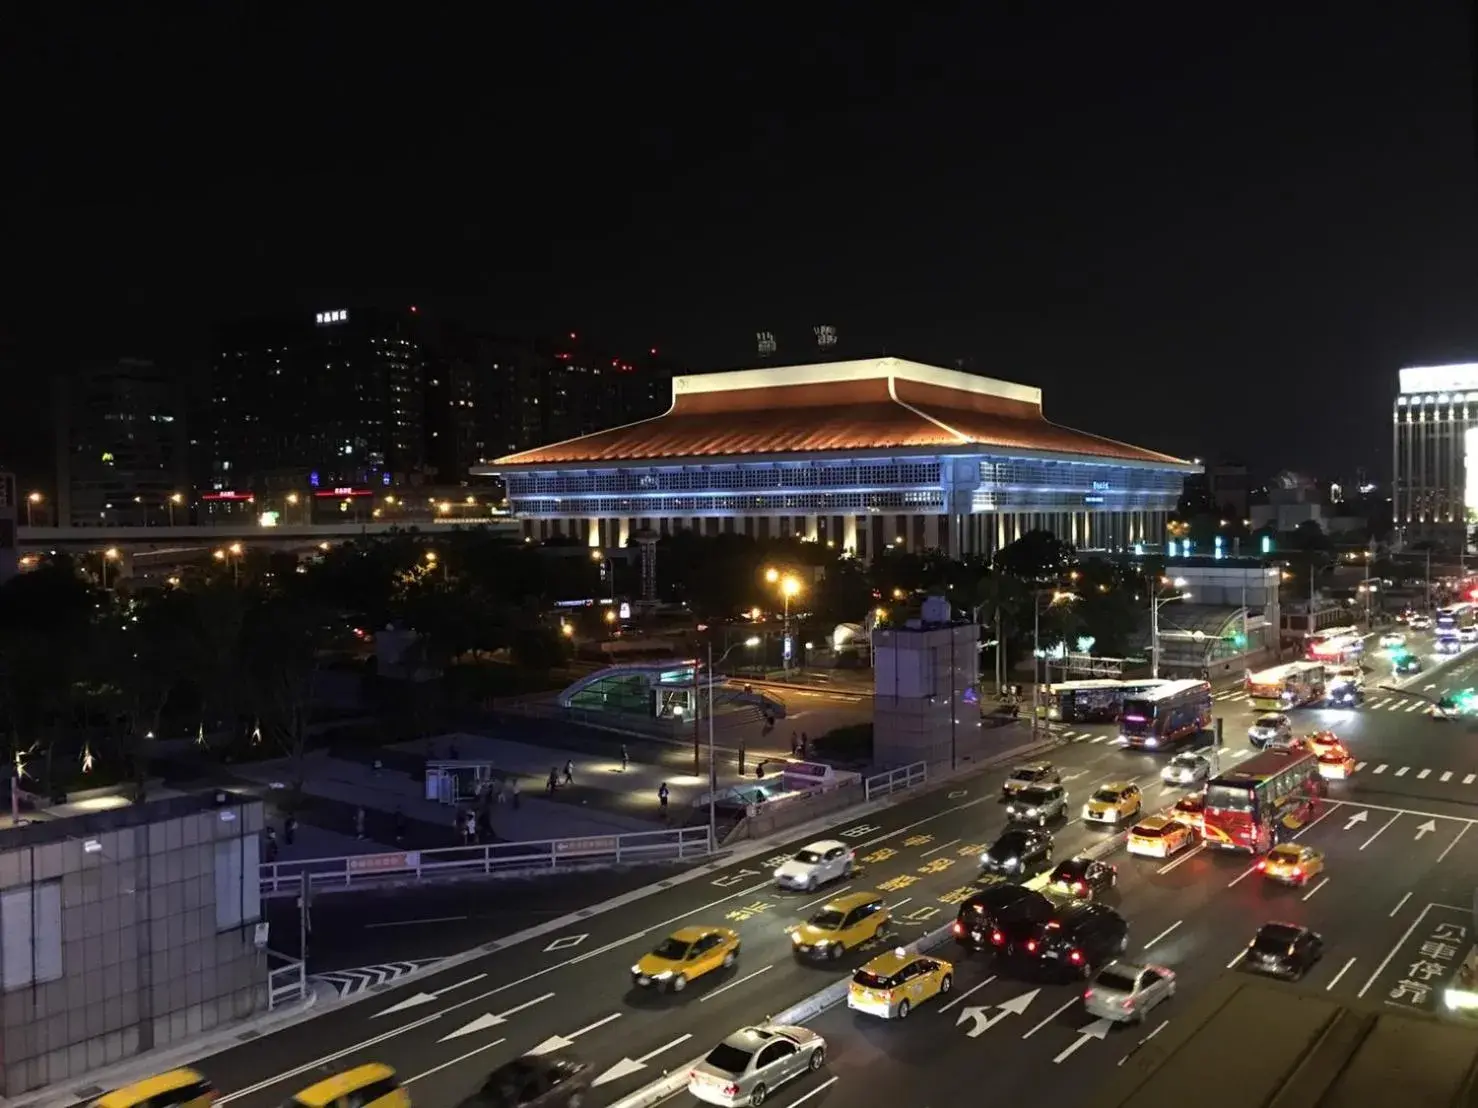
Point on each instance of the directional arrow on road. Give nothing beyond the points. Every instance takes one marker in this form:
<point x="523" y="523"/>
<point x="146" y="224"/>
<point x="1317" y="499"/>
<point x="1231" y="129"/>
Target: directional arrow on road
<point x="1074" y="776"/>
<point x="1098" y="1029"/>
<point x="482" y="1023"/>
<point x="627" y="1066"/>
<point x="425" y="998"/>
<point x="1358" y="817"/>
<point x="983" y="1022"/>
<point x="559" y="1042"/>
<point x="1426" y="828"/>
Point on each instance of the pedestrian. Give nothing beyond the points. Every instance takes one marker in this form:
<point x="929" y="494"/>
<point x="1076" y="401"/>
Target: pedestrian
<point x="805" y="744"/>
<point x="514" y="797"/>
<point x="795" y="742"/>
<point x="359" y="823"/>
<point x="662" y="799"/>
<point x="290" y="830"/>
<point x="759" y="770"/>
<point x="625" y="758"/>
<point x="569" y="772"/>
<point x="399" y="827"/>
<point x="741" y="757"/>
<point x="553" y="779"/>
<point x="271" y="834"/>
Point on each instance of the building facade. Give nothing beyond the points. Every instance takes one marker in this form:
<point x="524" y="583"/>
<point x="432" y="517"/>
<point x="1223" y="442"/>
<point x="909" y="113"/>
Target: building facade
<point x="861" y="455"/>
<point x="122" y="451"/>
<point x="1435" y="429"/>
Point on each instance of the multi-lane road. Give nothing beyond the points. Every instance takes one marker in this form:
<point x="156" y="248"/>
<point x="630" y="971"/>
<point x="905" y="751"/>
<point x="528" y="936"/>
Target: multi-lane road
<point x="1392" y="906"/>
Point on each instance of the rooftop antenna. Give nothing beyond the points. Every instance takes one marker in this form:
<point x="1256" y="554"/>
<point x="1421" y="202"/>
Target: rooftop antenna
<point x="826" y="339"/>
<point x="765" y="342"/>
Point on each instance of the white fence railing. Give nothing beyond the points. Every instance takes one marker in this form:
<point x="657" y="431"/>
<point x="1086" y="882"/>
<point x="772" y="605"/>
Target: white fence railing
<point x="547" y="856"/>
<point x="895" y="780"/>
<point x="287" y="980"/>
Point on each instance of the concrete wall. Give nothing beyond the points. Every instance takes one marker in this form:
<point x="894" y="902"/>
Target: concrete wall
<point x="143" y="960"/>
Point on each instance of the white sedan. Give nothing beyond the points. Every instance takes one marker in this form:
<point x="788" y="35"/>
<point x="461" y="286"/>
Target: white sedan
<point x="827" y="860"/>
<point x="1186" y="769"/>
<point x="1123" y="992"/>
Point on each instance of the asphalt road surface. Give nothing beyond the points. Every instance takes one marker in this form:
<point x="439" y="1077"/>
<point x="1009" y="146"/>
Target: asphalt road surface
<point x="1392" y="908"/>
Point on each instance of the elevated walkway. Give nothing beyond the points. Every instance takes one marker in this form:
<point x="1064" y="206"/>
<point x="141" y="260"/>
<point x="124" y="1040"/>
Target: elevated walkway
<point x="662" y="689"/>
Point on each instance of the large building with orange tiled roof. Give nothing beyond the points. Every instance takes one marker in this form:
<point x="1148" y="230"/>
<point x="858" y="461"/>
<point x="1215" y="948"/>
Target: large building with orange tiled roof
<point x="858" y="454"/>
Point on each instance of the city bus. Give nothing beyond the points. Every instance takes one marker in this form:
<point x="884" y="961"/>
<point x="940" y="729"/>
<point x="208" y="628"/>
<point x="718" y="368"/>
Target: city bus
<point x="1287" y="686"/>
<point x="1158" y="717"/>
<point x="1338" y="646"/>
<point x="1263" y="801"/>
<point x="1456" y="617"/>
<point x="1098" y="701"/>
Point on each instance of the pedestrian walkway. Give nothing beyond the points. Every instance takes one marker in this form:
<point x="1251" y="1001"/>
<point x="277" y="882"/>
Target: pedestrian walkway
<point x="1374" y="702"/>
<point x="1443" y="776"/>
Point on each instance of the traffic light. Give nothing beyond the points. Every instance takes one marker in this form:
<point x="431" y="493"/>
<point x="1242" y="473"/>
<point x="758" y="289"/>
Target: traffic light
<point x="1239" y="640"/>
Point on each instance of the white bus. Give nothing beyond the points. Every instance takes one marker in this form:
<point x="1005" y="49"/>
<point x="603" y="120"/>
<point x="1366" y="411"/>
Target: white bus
<point x="1096" y="701"/>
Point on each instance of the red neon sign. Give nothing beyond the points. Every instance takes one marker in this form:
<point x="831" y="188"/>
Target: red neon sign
<point x="334" y="494"/>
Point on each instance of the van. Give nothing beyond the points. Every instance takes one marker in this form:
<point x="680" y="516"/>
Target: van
<point x="361" y="1087"/>
<point x="175" y="1089"/>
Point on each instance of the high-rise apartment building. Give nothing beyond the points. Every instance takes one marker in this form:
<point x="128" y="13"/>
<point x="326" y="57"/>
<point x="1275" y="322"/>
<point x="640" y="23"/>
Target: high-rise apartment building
<point x="1435" y="452"/>
<point x="324" y="400"/>
<point x="122" y="454"/>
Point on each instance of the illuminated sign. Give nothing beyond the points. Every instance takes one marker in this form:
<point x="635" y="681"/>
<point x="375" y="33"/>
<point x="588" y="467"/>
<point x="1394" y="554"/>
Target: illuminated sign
<point x="339" y="316"/>
<point x="330" y="494"/>
<point x="228" y="495"/>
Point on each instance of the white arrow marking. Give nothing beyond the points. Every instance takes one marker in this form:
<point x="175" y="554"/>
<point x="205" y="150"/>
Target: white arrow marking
<point x="959" y="793"/>
<point x="1074" y="776"/>
<point x="559" y="1042"/>
<point x="1426" y="828"/>
<point x="425" y="998"/>
<point x="482" y="1023"/>
<point x="1098" y="1029"/>
<point x="983" y="1023"/>
<point x="1358" y="817"/>
<point x="627" y="1066"/>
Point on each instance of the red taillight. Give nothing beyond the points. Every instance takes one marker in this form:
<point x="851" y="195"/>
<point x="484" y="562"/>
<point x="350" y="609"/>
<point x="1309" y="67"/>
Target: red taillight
<point x="1076" y="957"/>
<point x="1031" y="946"/>
<point x="1262" y="865"/>
<point x="959" y="928"/>
<point x="1298" y="871"/>
<point x="1080" y="887"/>
<point x="1088" y="995"/>
<point x="731" y="1090"/>
<point x="997" y="938"/>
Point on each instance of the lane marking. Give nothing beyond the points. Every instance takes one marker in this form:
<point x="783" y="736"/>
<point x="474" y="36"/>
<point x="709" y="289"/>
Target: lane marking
<point x="1163" y="1024"/>
<point x="1448" y="849"/>
<point x="1380" y="768"/>
<point x="731" y="984"/>
<point x="1377" y="835"/>
<point x="454" y="1061"/>
<point x="413" y="922"/>
<point x="1402" y="771"/>
<point x="1240" y="955"/>
<point x="1470" y="778"/>
<point x="1344" y="969"/>
<point x="900" y="904"/>
<point x="1423" y="774"/>
<point x="1316" y="888"/>
<point x="1384" y="962"/>
<point x="961" y="998"/>
<point x="1186" y="857"/>
<point x="1163" y="933"/>
<point x="1359" y="766"/>
<point x="1399" y="905"/>
<point x="821" y="1088"/>
<point x="822" y="899"/>
<point x="1446" y="776"/>
<point x="1050" y="1018"/>
<point x="649" y="1055"/>
<point x="941" y="846"/>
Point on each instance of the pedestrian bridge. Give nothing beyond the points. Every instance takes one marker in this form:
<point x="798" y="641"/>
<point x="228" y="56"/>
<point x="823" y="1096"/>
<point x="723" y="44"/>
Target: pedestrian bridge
<point x="664" y="689"/>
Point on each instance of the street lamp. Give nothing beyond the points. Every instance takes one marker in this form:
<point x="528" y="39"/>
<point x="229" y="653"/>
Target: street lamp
<point x="607" y="571"/>
<point x="31" y="501"/>
<point x="174" y="500"/>
<point x="1057" y="597"/>
<point x="232" y="554"/>
<point x="751" y="642"/>
<point x="790" y="586"/>
<point x="1158" y="601"/>
<point x="109" y="555"/>
<point x="431" y="562"/>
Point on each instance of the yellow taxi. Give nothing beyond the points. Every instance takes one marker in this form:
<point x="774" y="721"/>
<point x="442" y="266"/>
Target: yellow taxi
<point x="686" y="955"/>
<point x="1191" y="811"/>
<point x="1322" y="742"/>
<point x="367" y="1085"/>
<point x="175" y="1089"/>
<point x="893" y="984"/>
<point x="1159" y="837"/>
<point x="1291" y="864"/>
<point x="1336" y="765"/>
<point x="1113" y="803"/>
<point x="840" y="925"/>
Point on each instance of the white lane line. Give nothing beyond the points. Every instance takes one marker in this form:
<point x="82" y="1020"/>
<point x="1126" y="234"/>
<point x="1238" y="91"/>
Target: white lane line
<point x="1050" y="1018"/>
<point x="1099" y="739"/>
<point x="1423" y="774"/>
<point x="1468" y="779"/>
<point x="1163" y="1024"/>
<point x="1395" y="948"/>
<point x="1446" y="776"/>
<point x="900" y="904"/>
<point x="459" y="1058"/>
<point x="1402" y="771"/>
<point x="1448" y="849"/>
<point x="1240" y="955"/>
<point x="1243" y="876"/>
<point x="413" y="922"/>
<point x="821" y="1088"/>
<point x="1377" y="835"/>
<point x="829" y="896"/>
<point x="731" y="984"/>
<point x="1186" y="857"/>
<point x="1399" y="905"/>
<point x="1359" y="766"/>
<point x="974" y="989"/>
<point x="1344" y="969"/>
<point x="1316" y="888"/>
<point x="1381" y="768"/>
<point x="649" y="1055"/>
<point x="937" y="849"/>
<point x="1163" y="933"/>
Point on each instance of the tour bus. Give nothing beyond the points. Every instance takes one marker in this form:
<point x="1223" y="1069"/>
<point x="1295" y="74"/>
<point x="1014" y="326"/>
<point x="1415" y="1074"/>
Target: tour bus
<point x="1264" y="801"/>
<point x="1161" y="716"/>
<point x="1287" y="686"/>
<point x="1456" y="617"/>
<point x="1337" y="646"/>
<point x="1098" y="701"/>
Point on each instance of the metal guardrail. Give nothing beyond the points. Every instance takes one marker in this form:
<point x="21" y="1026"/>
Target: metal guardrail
<point x="287" y="983"/>
<point x="895" y="781"/>
<point x="547" y="856"/>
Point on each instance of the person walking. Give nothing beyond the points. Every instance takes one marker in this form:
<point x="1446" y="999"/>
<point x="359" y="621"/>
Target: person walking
<point x="359" y="823"/>
<point x="513" y="793"/>
<point x="662" y="796"/>
<point x="290" y="830"/>
<point x="553" y="780"/>
<point x="625" y="758"/>
<point x="570" y="772"/>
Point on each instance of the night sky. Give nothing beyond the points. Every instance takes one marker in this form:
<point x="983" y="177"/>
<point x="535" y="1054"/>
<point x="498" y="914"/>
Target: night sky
<point x="1211" y="234"/>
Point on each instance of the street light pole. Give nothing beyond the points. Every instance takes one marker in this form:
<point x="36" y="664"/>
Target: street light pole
<point x="1036" y="656"/>
<point x="712" y="763"/>
<point x="1156" y="603"/>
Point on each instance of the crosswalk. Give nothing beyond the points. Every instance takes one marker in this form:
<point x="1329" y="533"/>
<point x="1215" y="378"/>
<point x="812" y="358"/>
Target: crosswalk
<point x="1443" y="776"/>
<point x="1377" y="703"/>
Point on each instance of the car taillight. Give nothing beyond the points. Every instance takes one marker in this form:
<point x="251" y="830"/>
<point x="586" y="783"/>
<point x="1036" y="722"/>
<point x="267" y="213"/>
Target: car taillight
<point x="1298" y="871"/>
<point x="731" y="1090"/>
<point x="997" y="938"/>
<point x="1080" y="887"/>
<point x="1031" y="946"/>
<point x="959" y="928"/>
<point x="1262" y="865"/>
<point x="1088" y="994"/>
<point x="1076" y="957"/>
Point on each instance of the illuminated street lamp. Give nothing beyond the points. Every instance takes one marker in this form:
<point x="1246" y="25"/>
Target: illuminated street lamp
<point x="232" y="554"/>
<point x="31" y="501"/>
<point x="1057" y="597"/>
<point x="1158" y="599"/>
<point x="173" y="501"/>
<point x="109" y="555"/>
<point x="790" y="586"/>
<point x="432" y="559"/>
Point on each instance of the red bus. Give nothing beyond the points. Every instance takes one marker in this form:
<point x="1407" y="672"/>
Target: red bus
<point x="1264" y="801"/>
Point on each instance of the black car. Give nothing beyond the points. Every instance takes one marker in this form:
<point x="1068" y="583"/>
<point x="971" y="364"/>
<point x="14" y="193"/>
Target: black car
<point x="533" y="1082"/>
<point x="1083" y="878"/>
<point x="1080" y="937"/>
<point x="1346" y="694"/>
<point x="1283" y="950"/>
<point x="1002" y="917"/>
<point x="1018" y="852"/>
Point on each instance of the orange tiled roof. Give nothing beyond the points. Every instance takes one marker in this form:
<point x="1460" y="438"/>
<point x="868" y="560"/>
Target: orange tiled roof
<point x="880" y="412"/>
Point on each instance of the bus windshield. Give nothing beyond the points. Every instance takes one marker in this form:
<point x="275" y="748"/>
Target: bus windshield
<point x="1138" y="711"/>
<point x="1230" y="798"/>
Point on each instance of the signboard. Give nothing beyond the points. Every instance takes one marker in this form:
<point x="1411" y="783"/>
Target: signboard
<point x="384" y="863"/>
<point x="330" y="493"/>
<point x="594" y="844"/>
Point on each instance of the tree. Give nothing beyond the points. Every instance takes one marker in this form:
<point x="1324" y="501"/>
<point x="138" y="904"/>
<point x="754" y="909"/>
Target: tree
<point x="281" y="637"/>
<point x="1039" y="557"/>
<point x="843" y="595"/>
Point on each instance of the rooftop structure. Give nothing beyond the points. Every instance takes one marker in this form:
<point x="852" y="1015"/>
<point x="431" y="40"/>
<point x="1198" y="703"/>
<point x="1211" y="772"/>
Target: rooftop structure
<point x="859" y="454"/>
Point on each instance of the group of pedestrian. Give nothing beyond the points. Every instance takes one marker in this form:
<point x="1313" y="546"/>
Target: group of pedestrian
<point x="555" y="780"/>
<point x="289" y="836"/>
<point x="475" y="824"/>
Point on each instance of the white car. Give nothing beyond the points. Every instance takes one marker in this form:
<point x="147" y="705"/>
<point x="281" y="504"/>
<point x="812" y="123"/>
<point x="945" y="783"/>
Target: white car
<point x="1123" y="992"/>
<point x="1186" y="769"/>
<point x="1420" y="623"/>
<point x="823" y="861"/>
<point x="745" y="1067"/>
<point x="1467" y="634"/>
<point x="1392" y="638"/>
<point x="1274" y="730"/>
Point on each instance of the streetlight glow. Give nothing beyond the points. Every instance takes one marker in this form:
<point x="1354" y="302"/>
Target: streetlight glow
<point x="790" y="587"/>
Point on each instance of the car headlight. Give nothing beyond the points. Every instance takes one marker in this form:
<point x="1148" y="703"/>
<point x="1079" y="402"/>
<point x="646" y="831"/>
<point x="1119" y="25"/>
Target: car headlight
<point x="1011" y="863"/>
<point x="779" y="875"/>
<point x="985" y="859"/>
<point x="823" y="942"/>
<point x="795" y="937"/>
<point x="1031" y="811"/>
<point x="636" y="970"/>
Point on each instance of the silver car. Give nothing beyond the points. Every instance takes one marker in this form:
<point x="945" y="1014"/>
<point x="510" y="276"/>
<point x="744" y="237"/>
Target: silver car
<point x="1274" y="730"/>
<point x="1124" y="992"/>
<point x="755" y="1061"/>
<point x="1186" y="769"/>
<point x="1037" y="804"/>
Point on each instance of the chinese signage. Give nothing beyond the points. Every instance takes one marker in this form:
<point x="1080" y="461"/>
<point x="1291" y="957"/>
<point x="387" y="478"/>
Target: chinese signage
<point x="1425" y="970"/>
<point x="383" y="863"/>
<point x="339" y="316"/>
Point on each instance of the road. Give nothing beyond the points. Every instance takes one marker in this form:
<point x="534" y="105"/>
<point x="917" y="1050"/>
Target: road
<point x="1397" y="870"/>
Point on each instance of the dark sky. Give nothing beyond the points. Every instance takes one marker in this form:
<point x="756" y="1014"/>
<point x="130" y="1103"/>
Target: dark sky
<point x="1217" y="234"/>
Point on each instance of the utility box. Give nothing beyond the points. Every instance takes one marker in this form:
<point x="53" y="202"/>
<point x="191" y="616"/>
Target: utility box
<point x="926" y="690"/>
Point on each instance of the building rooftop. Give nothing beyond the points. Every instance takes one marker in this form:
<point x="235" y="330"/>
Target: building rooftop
<point x="1249" y="1041"/>
<point x="89" y="824"/>
<point x="878" y="403"/>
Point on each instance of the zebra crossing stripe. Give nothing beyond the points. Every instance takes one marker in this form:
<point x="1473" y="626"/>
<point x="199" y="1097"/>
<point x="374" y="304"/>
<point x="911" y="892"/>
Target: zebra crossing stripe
<point x="1446" y="775"/>
<point x="1470" y="778"/>
<point x="1380" y="768"/>
<point x="1402" y="771"/>
<point x="1423" y="775"/>
<point x="1359" y="766"/>
<point x="1414" y="705"/>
